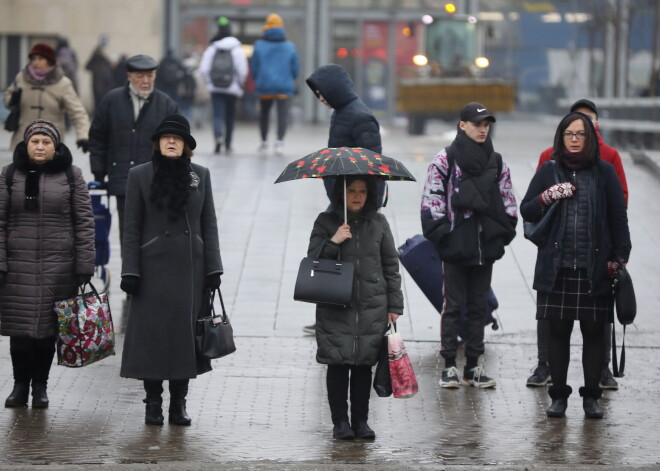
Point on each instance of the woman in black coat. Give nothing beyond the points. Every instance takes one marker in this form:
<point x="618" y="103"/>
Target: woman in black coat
<point x="588" y="235"/>
<point x="349" y="339"/>
<point x="171" y="256"/>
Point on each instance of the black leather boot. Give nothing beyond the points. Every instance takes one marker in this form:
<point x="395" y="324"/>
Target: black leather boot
<point x="178" y="392"/>
<point x="559" y="396"/>
<point x="592" y="409"/>
<point x="362" y="430"/>
<point x="19" y="395"/>
<point x="39" y="395"/>
<point x="343" y="431"/>
<point x="153" y="414"/>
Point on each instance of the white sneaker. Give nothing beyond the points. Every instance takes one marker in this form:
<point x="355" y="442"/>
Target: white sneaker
<point x="279" y="147"/>
<point x="449" y="378"/>
<point x="263" y="147"/>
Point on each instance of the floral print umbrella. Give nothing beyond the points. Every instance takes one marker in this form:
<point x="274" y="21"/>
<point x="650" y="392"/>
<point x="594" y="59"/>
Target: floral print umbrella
<point x="335" y="161"/>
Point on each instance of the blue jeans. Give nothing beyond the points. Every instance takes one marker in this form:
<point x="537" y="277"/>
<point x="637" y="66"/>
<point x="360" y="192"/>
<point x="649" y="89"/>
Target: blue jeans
<point x="224" y="116"/>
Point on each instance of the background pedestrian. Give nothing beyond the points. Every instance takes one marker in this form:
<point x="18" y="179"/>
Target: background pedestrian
<point x="101" y="68"/>
<point x="46" y="251"/>
<point x="171" y="256"/>
<point x="47" y="94"/>
<point x="224" y="68"/>
<point x="591" y="229"/>
<point x="275" y="67"/>
<point x="124" y="121"/>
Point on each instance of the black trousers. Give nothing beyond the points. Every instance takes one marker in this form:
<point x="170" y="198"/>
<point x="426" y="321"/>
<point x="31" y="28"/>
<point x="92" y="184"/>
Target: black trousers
<point x="470" y="283"/>
<point x="31" y="358"/>
<point x="543" y="335"/>
<point x="282" y="117"/>
<point x="559" y="351"/>
<point x="338" y="380"/>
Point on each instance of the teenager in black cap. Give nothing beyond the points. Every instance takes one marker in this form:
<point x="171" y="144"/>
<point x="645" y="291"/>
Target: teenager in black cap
<point x="120" y="135"/>
<point x="171" y="257"/>
<point x="469" y="212"/>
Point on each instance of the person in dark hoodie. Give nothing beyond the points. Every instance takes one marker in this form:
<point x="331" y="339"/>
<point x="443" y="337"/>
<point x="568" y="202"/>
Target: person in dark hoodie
<point x="349" y="339"/>
<point x="587" y="238"/>
<point x="352" y="123"/>
<point x="469" y="212"/>
<point x="275" y="67"/>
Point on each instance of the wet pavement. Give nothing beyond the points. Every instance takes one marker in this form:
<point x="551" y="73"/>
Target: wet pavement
<point x="264" y="407"/>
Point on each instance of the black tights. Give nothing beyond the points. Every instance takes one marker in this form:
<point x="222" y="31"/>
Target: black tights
<point x="559" y="351"/>
<point x="337" y="382"/>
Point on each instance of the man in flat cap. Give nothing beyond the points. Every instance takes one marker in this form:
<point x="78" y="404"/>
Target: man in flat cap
<point x="469" y="212"/>
<point x="125" y="120"/>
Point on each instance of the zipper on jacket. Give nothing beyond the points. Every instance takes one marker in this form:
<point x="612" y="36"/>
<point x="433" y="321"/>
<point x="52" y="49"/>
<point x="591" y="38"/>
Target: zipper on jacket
<point x="481" y="261"/>
<point x="575" y="237"/>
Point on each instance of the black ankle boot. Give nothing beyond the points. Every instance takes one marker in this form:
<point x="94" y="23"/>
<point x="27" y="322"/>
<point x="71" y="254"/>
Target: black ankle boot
<point x="592" y="409"/>
<point x="39" y="396"/>
<point x="178" y="414"/>
<point x="362" y="430"/>
<point x="153" y="414"/>
<point x="559" y="396"/>
<point x="558" y="408"/>
<point x="343" y="431"/>
<point x="19" y="395"/>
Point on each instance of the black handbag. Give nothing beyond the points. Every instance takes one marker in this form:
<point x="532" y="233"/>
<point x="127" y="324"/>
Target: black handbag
<point x="382" y="376"/>
<point x="11" y="123"/>
<point x="324" y="281"/>
<point x="626" y="310"/>
<point x="538" y="231"/>
<point x="214" y="336"/>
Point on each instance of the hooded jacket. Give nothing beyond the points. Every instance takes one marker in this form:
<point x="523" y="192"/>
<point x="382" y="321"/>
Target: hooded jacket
<point x="42" y="249"/>
<point x="352" y="123"/>
<point x="274" y="64"/>
<point x="239" y="60"/>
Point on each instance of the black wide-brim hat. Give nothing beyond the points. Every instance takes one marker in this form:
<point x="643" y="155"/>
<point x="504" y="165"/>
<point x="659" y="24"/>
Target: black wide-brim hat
<point x="177" y="125"/>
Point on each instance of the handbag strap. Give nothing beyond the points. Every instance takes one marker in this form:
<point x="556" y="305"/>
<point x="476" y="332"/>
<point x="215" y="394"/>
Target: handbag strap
<point x="222" y="304"/>
<point x="618" y="367"/>
<point x="93" y="290"/>
<point x="318" y="252"/>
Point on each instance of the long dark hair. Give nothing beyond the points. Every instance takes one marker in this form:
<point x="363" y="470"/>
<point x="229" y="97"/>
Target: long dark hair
<point x="338" y="194"/>
<point x="591" y="147"/>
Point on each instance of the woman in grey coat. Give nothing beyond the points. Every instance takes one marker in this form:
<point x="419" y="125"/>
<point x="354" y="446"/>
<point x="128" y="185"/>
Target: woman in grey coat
<point x="171" y="256"/>
<point x="46" y="251"/>
<point x="349" y="339"/>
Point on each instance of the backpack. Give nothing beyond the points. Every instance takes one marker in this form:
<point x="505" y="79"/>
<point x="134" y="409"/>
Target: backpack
<point x="169" y="72"/>
<point x="222" y="69"/>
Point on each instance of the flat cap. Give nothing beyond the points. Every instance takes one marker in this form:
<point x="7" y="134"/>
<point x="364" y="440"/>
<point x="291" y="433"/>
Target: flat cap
<point x="141" y="63"/>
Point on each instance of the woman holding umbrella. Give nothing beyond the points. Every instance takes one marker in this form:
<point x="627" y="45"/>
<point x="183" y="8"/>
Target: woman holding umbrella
<point x="349" y="339"/>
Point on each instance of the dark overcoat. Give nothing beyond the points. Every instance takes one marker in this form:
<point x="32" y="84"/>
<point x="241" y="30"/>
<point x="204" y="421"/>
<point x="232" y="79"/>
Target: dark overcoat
<point x="607" y="226"/>
<point x="353" y="336"/>
<point x="172" y="260"/>
<point x="42" y="249"/>
<point x="118" y="140"/>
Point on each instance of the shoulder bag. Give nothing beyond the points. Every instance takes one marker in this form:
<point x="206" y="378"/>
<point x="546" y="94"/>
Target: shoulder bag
<point x="324" y="281"/>
<point x="11" y="122"/>
<point x="626" y="310"/>
<point x="538" y="231"/>
<point x="214" y="336"/>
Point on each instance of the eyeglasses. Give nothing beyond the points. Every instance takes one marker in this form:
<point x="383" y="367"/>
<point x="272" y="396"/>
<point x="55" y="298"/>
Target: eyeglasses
<point x="577" y="135"/>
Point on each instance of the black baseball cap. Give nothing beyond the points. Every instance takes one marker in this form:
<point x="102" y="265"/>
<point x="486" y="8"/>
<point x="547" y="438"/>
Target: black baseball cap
<point x="141" y="63"/>
<point x="476" y="112"/>
<point x="584" y="103"/>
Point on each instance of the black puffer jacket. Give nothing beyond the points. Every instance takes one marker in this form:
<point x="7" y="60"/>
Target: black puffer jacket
<point x="117" y="141"/>
<point x="352" y="336"/>
<point x="42" y="249"/>
<point x="607" y="225"/>
<point x="352" y="123"/>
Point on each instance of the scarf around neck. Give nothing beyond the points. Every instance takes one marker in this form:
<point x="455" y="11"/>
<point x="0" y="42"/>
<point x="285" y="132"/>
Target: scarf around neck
<point x="39" y="74"/>
<point x="576" y="160"/>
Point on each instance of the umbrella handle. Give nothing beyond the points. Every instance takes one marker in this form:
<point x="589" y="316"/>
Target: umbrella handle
<point x="345" y="204"/>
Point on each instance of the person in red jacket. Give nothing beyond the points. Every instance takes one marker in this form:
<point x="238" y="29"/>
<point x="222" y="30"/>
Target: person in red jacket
<point x="541" y="374"/>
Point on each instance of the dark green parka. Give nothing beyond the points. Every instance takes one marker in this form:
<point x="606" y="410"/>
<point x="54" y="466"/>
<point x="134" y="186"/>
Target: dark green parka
<point x="352" y="336"/>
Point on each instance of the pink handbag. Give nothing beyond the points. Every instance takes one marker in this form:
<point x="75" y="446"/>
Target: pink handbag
<point x="404" y="382"/>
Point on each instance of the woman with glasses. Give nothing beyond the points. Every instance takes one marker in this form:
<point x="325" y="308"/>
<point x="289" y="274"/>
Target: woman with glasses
<point x="588" y="236"/>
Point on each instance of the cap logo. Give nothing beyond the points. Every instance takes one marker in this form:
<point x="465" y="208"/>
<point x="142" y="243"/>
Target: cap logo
<point x="479" y="110"/>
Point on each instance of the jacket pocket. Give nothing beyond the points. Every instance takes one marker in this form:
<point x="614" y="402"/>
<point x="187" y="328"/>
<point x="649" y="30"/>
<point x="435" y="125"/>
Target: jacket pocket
<point x="150" y="242"/>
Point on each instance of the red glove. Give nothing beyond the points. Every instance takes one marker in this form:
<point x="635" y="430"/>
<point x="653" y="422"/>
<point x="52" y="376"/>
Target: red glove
<point x="556" y="192"/>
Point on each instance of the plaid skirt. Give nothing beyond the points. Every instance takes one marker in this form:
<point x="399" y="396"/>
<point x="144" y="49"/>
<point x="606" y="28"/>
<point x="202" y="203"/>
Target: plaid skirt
<point x="570" y="300"/>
